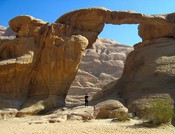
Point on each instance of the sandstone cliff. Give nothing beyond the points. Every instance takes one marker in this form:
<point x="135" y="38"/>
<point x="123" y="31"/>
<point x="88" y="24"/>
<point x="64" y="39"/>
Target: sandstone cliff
<point x="38" y="67"/>
<point x="149" y="72"/>
<point x="100" y="65"/>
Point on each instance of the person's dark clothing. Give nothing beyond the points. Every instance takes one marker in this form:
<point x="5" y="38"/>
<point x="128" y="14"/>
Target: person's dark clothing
<point x="86" y="100"/>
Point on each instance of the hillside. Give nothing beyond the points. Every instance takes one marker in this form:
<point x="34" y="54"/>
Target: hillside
<point x="101" y="64"/>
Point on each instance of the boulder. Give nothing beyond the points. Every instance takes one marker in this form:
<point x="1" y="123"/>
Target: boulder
<point x="65" y="114"/>
<point x="111" y="109"/>
<point x="8" y="113"/>
<point x="142" y="106"/>
<point x="81" y="113"/>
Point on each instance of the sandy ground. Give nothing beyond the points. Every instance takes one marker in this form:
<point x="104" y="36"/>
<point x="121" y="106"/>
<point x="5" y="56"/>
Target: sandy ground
<point x="26" y="126"/>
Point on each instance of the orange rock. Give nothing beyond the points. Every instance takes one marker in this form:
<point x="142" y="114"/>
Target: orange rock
<point x="38" y="67"/>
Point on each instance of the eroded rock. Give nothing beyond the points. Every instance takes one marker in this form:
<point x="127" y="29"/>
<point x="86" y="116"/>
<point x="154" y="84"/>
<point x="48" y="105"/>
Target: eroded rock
<point x="101" y="65"/>
<point x="38" y="67"/>
<point x="81" y="113"/>
<point x="149" y="71"/>
<point x="141" y="107"/>
<point x="111" y="109"/>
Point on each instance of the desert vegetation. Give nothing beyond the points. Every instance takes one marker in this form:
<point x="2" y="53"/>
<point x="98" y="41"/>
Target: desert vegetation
<point x="159" y="111"/>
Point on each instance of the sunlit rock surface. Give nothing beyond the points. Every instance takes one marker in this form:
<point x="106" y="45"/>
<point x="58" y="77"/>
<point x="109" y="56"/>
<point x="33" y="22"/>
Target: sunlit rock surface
<point x="39" y="65"/>
<point x="101" y="65"/>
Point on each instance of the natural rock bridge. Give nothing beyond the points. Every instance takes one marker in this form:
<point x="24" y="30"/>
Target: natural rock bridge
<point x="38" y="67"/>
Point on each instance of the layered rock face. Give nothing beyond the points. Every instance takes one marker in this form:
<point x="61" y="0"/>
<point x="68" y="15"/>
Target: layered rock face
<point x="2" y="30"/>
<point x="38" y="67"/>
<point x="6" y="33"/>
<point x="100" y="65"/>
<point x="149" y="72"/>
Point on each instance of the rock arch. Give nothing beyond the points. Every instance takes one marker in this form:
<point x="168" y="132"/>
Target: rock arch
<point x="93" y="20"/>
<point x="38" y="67"/>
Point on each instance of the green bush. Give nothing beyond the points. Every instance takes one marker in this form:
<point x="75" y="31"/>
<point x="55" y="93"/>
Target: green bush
<point x="122" y="116"/>
<point x="160" y="111"/>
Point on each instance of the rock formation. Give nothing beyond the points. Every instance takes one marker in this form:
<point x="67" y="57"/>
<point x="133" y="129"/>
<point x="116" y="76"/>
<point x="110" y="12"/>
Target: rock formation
<point x="111" y="109"/>
<point x="100" y="65"/>
<point x="6" y="33"/>
<point x="148" y="73"/>
<point x="38" y="67"/>
<point x="2" y="30"/>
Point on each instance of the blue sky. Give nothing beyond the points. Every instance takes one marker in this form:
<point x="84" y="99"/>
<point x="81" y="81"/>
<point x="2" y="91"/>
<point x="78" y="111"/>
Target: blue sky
<point x="50" y="10"/>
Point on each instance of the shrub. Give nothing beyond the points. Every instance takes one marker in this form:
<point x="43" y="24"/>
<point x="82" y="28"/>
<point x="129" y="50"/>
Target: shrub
<point x="160" y="111"/>
<point x="122" y="116"/>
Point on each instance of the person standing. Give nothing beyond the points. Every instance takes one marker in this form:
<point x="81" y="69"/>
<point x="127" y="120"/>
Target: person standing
<point x="86" y="100"/>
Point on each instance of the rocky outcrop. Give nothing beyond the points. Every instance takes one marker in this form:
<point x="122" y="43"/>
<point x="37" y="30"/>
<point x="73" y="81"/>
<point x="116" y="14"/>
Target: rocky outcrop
<point x="149" y="72"/>
<point x="105" y="110"/>
<point x="38" y="67"/>
<point x="144" y="104"/>
<point x="100" y="65"/>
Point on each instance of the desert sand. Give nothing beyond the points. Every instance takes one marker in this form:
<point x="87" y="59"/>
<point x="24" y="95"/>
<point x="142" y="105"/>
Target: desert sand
<point x="29" y="125"/>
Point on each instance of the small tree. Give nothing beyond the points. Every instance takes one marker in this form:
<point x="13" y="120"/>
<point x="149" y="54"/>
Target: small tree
<point x="160" y="111"/>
